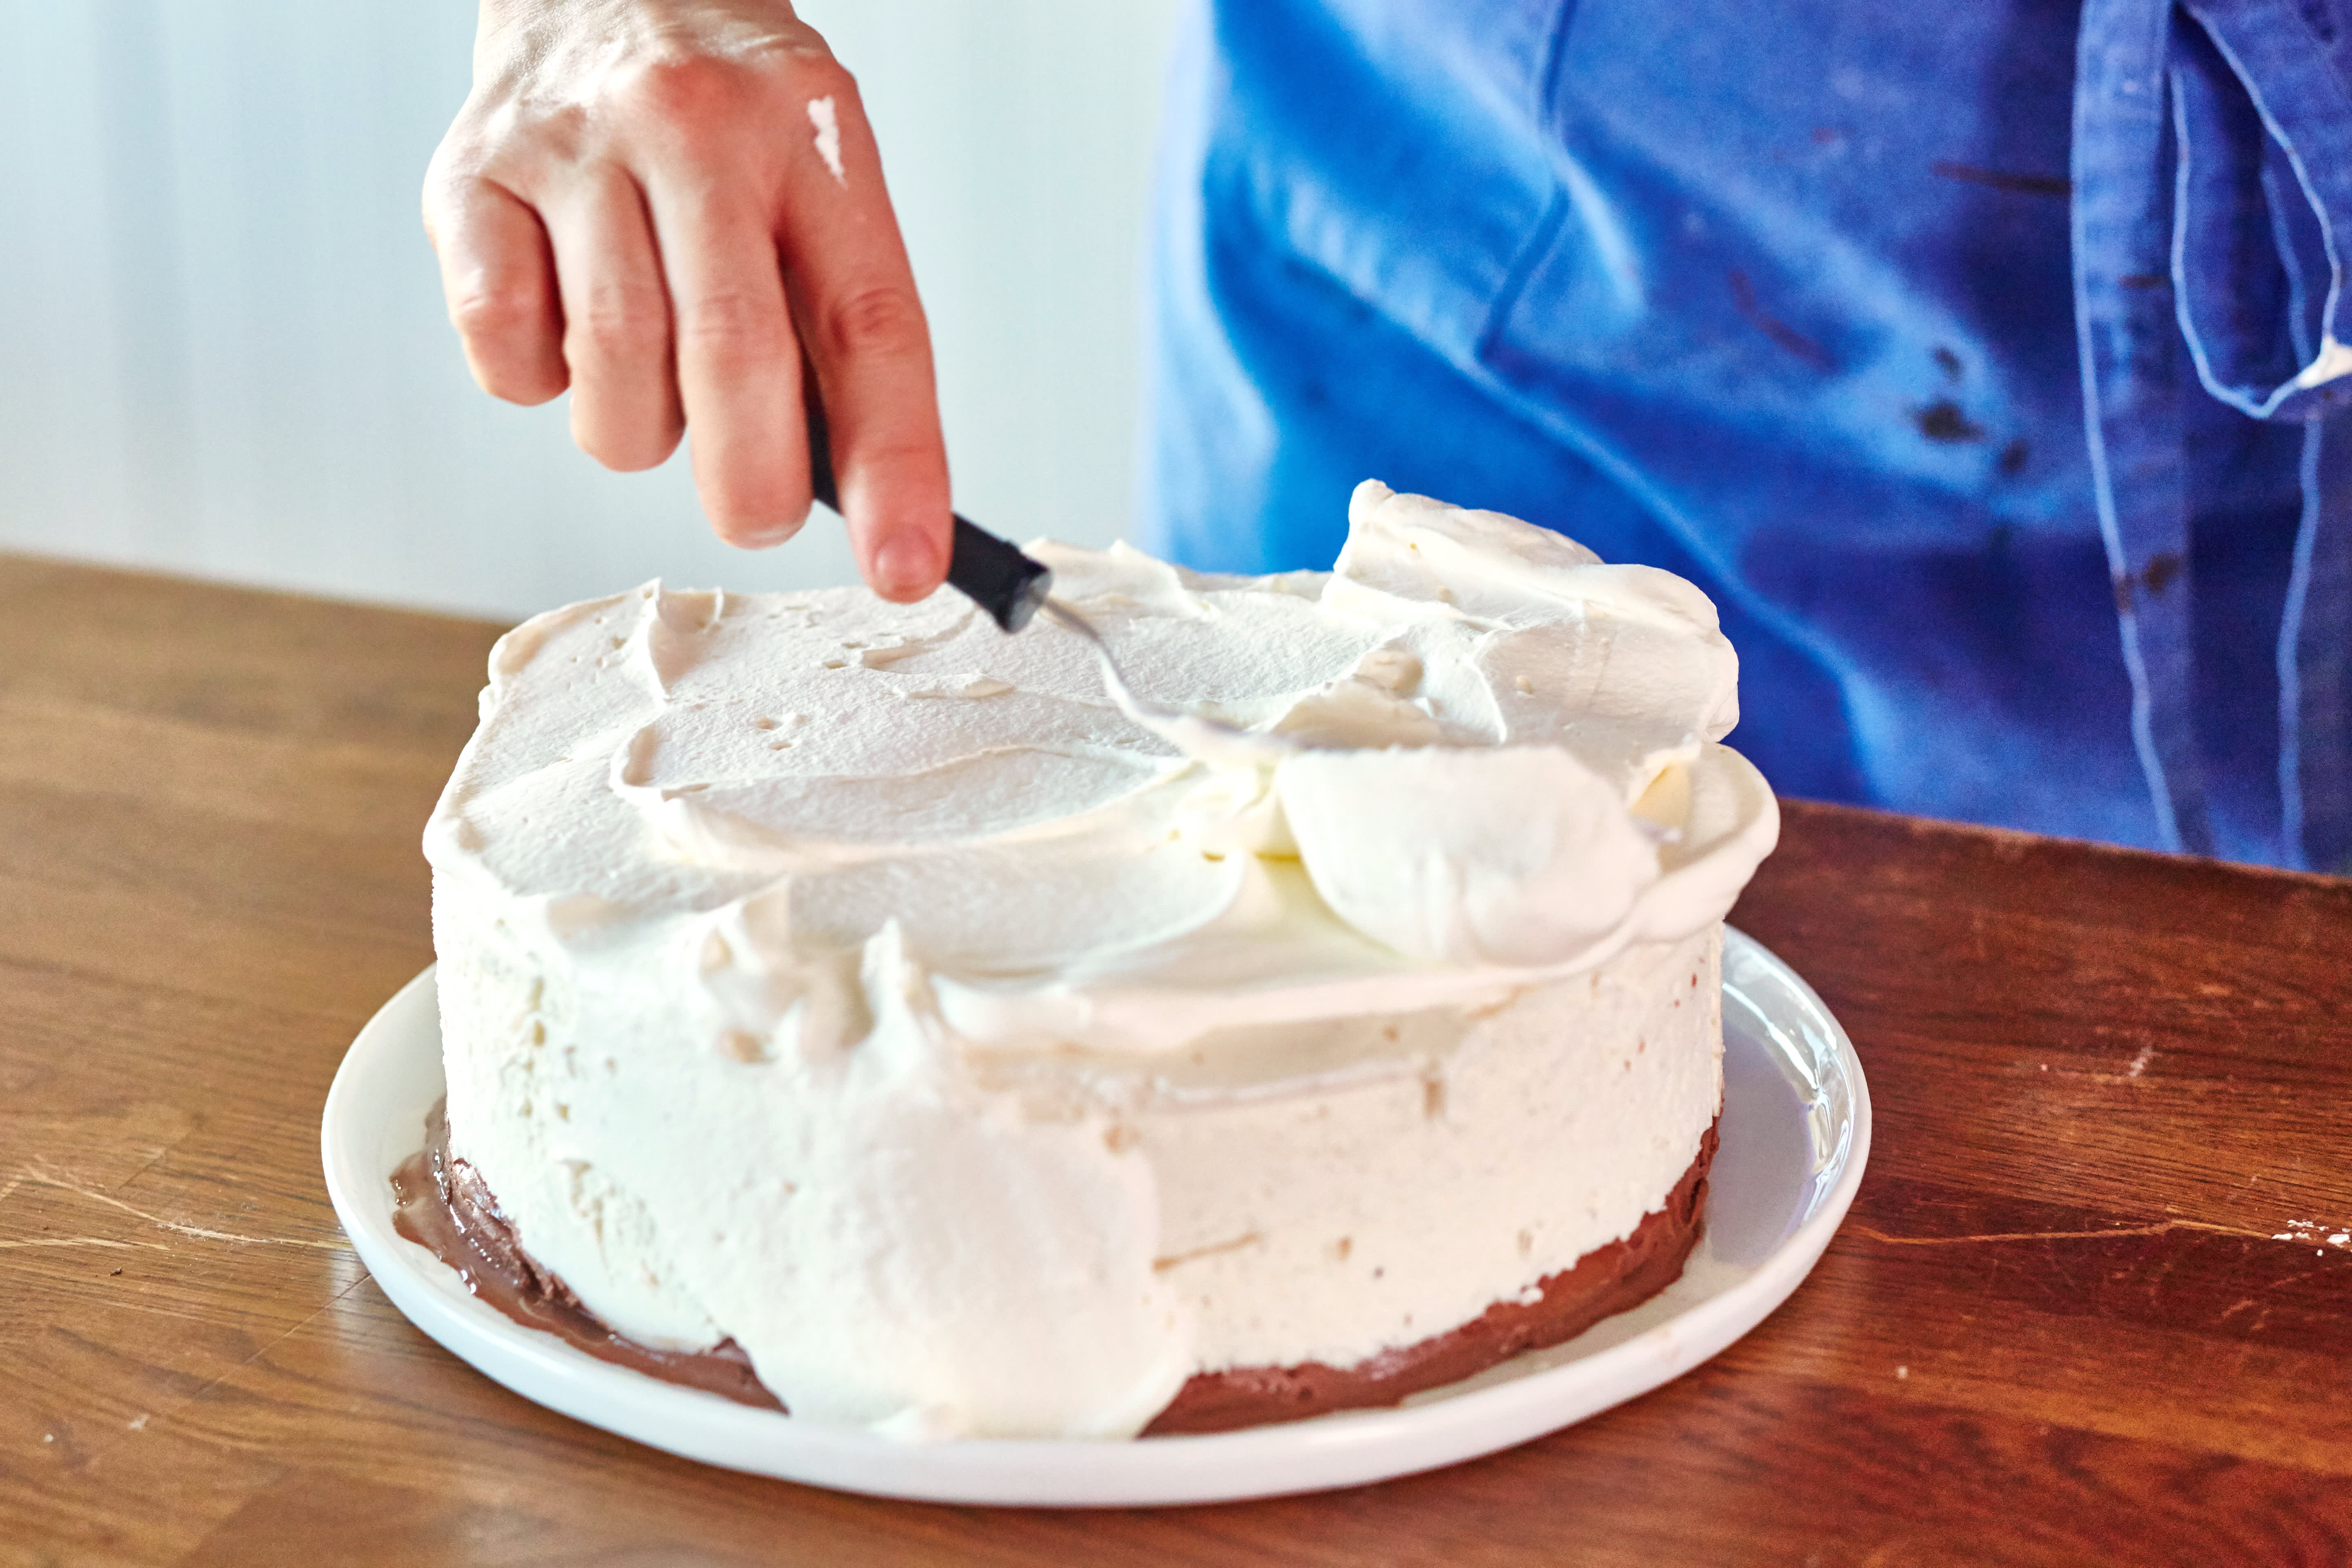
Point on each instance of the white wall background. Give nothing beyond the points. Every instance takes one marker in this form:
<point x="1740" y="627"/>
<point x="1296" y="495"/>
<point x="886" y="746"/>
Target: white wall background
<point x="222" y="345"/>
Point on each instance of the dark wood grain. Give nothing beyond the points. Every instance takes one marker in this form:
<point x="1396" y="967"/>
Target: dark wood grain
<point x="2061" y="1325"/>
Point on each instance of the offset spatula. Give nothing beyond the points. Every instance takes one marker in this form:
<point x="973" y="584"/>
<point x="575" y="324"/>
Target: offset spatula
<point x="991" y="571"/>
<point x="1014" y="589"/>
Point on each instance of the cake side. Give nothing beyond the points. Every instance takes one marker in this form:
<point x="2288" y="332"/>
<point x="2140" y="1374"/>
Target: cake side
<point x="1345" y="1214"/>
<point x="442" y="1204"/>
<point x="1608" y="1281"/>
<point x="1364" y="1204"/>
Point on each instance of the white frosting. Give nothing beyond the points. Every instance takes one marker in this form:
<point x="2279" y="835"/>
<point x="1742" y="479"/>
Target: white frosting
<point x="827" y="123"/>
<point x="863" y="983"/>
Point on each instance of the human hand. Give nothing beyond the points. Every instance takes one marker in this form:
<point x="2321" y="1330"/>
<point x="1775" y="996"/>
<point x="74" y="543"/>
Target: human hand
<point x="670" y="207"/>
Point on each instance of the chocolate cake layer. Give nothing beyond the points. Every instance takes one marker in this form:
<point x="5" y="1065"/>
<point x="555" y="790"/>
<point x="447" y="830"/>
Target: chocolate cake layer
<point x="1604" y="1282"/>
<point x="444" y="1205"/>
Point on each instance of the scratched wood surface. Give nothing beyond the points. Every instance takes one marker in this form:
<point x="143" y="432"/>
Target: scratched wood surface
<point x="2094" y="1304"/>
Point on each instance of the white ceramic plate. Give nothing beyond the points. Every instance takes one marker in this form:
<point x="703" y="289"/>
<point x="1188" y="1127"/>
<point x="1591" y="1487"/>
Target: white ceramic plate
<point x="1795" y="1133"/>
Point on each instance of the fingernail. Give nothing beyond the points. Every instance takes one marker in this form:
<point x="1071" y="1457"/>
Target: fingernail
<point x="904" y="563"/>
<point x="766" y="538"/>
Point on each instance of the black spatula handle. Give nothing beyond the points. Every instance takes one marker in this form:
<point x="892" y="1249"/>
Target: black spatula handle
<point x="991" y="571"/>
<point x="995" y="575"/>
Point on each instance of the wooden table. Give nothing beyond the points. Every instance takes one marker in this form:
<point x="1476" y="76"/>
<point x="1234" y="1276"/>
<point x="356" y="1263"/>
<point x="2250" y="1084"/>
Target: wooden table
<point x="2094" y="1304"/>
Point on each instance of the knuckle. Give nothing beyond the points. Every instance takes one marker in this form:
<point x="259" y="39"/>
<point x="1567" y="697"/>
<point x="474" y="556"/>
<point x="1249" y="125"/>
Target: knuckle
<point x="885" y="322"/>
<point x="903" y="459"/>
<point x="458" y="161"/>
<point x="520" y="141"/>
<point x="732" y="312"/>
<point x="688" y="91"/>
<point x="510" y="138"/>
<point x="438" y="206"/>
<point x="451" y="196"/>
<point x="618" y="321"/>
<point x="795" y="61"/>
<point x="822" y="75"/>
<point x="711" y="111"/>
<point x="734" y="327"/>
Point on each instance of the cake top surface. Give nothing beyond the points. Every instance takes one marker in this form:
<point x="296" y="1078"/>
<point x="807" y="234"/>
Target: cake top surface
<point x="1475" y="753"/>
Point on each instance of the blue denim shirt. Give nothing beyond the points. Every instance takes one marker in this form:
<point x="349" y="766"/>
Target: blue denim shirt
<point x="1980" y="362"/>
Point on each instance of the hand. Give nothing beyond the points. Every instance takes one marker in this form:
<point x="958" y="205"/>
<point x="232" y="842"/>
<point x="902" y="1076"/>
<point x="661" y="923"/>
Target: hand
<point x="667" y="206"/>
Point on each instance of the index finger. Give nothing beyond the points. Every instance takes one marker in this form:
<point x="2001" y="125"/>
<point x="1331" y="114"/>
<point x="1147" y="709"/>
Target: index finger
<point x="863" y="328"/>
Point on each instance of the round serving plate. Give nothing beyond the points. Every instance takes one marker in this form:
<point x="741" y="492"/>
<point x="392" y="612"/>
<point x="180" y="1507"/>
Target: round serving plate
<point x="1795" y="1133"/>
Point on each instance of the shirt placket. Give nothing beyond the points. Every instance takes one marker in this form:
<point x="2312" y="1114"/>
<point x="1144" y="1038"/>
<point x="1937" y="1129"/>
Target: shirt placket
<point x="2129" y="342"/>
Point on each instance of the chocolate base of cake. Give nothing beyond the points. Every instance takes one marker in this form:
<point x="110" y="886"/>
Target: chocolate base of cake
<point x="1604" y="1282"/>
<point x="443" y="1205"/>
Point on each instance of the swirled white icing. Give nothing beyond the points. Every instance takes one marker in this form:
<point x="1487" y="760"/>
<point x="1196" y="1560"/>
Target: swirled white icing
<point x="804" y="956"/>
